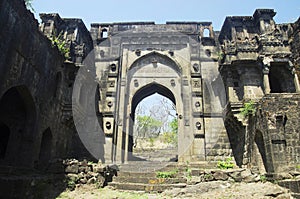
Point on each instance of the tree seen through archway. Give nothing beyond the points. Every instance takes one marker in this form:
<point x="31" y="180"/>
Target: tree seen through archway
<point x="155" y="129"/>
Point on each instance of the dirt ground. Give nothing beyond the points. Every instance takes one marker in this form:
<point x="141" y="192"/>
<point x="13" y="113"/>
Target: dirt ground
<point x="208" y="190"/>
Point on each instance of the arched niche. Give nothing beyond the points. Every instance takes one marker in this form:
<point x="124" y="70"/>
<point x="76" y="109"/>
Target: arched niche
<point x="18" y="113"/>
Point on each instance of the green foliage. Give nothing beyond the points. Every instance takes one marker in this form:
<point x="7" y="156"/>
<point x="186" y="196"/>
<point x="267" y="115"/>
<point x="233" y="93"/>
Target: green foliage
<point x="147" y="125"/>
<point x="248" y="109"/>
<point x="71" y="184"/>
<point x="188" y="171"/>
<point x="151" y="140"/>
<point x="263" y="178"/>
<point x="208" y="176"/>
<point x="167" y="174"/>
<point x="298" y="167"/>
<point x="61" y="44"/>
<point x="227" y="164"/>
<point x="170" y="138"/>
<point x="29" y="6"/>
<point x="174" y="125"/>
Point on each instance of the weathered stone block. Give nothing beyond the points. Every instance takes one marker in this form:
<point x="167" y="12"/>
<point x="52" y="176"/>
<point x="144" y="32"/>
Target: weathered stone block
<point x="220" y="175"/>
<point x="72" y="169"/>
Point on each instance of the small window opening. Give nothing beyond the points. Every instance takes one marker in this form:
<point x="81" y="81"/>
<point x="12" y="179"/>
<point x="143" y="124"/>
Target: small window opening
<point x="205" y="32"/>
<point x="104" y="34"/>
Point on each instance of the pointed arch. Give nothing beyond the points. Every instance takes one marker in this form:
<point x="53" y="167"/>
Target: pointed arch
<point x="150" y="89"/>
<point x="154" y="58"/>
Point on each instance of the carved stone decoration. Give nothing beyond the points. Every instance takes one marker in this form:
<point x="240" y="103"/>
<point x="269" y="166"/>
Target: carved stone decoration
<point x="111" y="83"/>
<point x="196" y="67"/>
<point x="198" y="125"/>
<point x="113" y="67"/>
<point x="197" y="104"/>
<point x="136" y="83"/>
<point x="186" y="122"/>
<point x="172" y="81"/>
<point x="196" y="84"/>
<point x="138" y="52"/>
<point x="110" y="104"/>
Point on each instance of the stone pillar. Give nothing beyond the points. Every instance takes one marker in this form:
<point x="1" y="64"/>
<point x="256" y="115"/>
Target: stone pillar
<point x="266" y="82"/>
<point x="296" y="82"/>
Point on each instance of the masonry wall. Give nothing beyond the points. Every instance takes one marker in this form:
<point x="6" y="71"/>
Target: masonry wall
<point x="276" y="132"/>
<point x="35" y="124"/>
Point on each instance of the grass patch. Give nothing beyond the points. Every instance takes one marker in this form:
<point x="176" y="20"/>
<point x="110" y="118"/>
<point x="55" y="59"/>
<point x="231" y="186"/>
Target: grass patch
<point x="227" y="164"/>
<point x="167" y="174"/>
<point x="248" y="109"/>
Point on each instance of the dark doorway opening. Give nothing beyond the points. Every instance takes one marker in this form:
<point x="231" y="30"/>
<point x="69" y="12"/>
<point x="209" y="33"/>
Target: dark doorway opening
<point x="4" y="137"/>
<point x="45" y="149"/>
<point x="281" y="79"/>
<point x="17" y="112"/>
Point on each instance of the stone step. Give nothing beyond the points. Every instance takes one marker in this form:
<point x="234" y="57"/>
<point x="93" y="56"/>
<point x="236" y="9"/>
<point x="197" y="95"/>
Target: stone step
<point x="148" y="166"/>
<point x="145" y="187"/>
<point x="149" y="180"/>
<point x="127" y="174"/>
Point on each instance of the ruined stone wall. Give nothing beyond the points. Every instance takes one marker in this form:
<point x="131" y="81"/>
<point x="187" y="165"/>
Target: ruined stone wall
<point x="275" y="133"/>
<point x="35" y="87"/>
<point x="294" y="41"/>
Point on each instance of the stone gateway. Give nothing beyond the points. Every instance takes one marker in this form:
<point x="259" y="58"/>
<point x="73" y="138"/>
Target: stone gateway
<point x="83" y="105"/>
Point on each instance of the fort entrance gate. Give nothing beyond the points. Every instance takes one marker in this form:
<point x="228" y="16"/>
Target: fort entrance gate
<point x="134" y="61"/>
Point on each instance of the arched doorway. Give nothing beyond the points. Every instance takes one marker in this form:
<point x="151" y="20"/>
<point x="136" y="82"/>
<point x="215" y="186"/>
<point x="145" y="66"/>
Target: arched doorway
<point x="45" y="149"/>
<point x="4" y="137"/>
<point x="159" y="73"/>
<point x="17" y="112"/>
<point x="153" y="143"/>
<point x="278" y="73"/>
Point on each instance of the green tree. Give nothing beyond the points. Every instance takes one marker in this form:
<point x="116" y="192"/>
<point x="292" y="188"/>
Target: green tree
<point x="147" y="126"/>
<point x="174" y="125"/>
<point x="61" y="44"/>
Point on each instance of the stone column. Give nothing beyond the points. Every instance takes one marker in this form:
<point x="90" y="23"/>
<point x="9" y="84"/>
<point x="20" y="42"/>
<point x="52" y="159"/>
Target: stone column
<point x="266" y="82"/>
<point x="296" y="82"/>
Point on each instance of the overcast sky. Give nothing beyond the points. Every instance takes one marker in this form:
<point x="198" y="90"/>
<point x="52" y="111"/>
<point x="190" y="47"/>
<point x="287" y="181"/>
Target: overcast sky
<point x="160" y="11"/>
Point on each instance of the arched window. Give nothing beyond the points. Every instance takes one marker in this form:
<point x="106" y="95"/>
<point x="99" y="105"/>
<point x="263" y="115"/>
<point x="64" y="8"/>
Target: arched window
<point x="206" y="33"/>
<point x="104" y="34"/>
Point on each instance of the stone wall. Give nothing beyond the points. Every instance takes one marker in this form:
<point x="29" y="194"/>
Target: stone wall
<point x="294" y="41"/>
<point x="274" y="138"/>
<point x="36" y="87"/>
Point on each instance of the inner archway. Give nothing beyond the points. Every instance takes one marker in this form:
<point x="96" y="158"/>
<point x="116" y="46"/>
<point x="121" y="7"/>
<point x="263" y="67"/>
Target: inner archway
<point x="45" y="149"/>
<point x="154" y="125"/>
<point x="278" y="72"/>
<point x="17" y="113"/>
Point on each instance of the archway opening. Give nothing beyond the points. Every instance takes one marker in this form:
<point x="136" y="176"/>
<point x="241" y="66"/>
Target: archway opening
<point x="206" y="32"/>
<point x="281" y="79"/>
<point x="17" y="112"/>
<point x="4" y="137"/>
<point x="154" y="129"/>
<point x="45" y="149"/>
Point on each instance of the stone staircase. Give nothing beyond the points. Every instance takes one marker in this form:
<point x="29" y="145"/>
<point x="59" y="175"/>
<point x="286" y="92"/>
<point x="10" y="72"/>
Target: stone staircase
<point x="143" y="175"/>
<point x="236" y="109"/>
